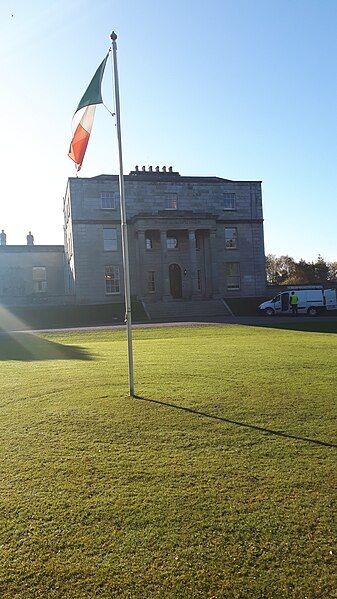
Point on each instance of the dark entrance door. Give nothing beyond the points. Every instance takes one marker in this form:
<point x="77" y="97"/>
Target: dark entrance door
<point x="175" y="281"/>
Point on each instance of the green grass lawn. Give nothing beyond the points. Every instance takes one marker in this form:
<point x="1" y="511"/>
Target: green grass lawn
<point x="220" y="482"/>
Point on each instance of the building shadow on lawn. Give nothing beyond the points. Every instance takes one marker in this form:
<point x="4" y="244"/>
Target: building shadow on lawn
<point x="237" y="423"/>
<point x="305" y="324"/>
<point x="28" y="347"/>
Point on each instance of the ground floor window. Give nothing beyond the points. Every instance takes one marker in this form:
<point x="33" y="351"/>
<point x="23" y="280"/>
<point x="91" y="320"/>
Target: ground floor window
<point x="233" y="275"/>
<point x="151" y="285"/>
<point x="112" y="282"/>
<point x="39" y="279"/>
<point x="231" y="238"/>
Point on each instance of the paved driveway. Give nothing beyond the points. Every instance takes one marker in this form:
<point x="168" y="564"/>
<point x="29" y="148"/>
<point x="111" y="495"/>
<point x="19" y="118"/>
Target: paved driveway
<point x="278" y="321"/>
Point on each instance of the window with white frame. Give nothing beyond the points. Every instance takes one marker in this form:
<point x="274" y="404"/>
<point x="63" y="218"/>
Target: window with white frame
<point x="151" y="285"/>
<point x="110" y="239"/>
<point x="171" y="201"/>
<point x="233" y="275"/>
<point x="108" y="200"/>
<point x="112" y="281"/>
<point x="39" y="279"/>
<point x="229" y="201"/>
<point x="171" y="243"/>
<point x="231" y="238"/>
<point x="148" y="243"/>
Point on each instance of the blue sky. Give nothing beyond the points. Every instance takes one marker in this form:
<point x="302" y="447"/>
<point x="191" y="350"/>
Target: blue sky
<point x="234" y="88"/>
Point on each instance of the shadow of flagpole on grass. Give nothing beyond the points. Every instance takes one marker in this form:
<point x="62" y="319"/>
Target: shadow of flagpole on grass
<point x="236" y="422"/>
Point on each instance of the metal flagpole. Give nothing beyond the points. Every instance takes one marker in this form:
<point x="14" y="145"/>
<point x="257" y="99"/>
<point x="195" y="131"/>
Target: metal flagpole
<point x="125" y="247"/>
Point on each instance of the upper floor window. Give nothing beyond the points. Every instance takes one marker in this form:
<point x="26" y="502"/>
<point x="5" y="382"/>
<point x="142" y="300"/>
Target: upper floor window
<point x="148" y="243"/>
<point x="231" y="238"/>
<point x="39" y="279"/>
<point x="108" y="200"/>
<point x="110" y="239"/>
<point x="171" y="243"/>
<point x="233" y="275"/>
<point x="171" y="201"/>
<point x="229" y="201"/>
<point x="112" y="282"/>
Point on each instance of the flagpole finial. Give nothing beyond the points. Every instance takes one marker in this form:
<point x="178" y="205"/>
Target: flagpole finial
<point x="113" y="36"/>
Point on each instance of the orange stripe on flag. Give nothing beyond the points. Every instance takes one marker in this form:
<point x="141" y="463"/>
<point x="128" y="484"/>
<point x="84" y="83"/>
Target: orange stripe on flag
<point x="78" y="145"/>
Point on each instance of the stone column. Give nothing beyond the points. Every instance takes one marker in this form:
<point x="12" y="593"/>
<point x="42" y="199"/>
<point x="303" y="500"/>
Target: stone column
<point x="166" y="294"/>
<point x="193" y="264"/>
<point x="141" y="264"/>
<point x="214" y="264"/>
<point x="208" y="266"/>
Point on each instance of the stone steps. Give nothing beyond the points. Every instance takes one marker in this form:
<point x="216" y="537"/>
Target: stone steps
<point x="188" y="310"/>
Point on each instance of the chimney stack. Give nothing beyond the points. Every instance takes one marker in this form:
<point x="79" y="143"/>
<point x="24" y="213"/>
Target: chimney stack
<point x="30" y="238"/>
<point x="2" y="238"/>
<point x="150" y="169"/>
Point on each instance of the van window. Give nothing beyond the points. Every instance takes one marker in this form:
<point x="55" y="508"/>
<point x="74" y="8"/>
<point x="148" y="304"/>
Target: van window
<point x="276" y="299"/>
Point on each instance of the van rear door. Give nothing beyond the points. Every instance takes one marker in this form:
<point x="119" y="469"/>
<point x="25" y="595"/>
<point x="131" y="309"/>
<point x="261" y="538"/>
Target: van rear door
<point x="330" y="299"/>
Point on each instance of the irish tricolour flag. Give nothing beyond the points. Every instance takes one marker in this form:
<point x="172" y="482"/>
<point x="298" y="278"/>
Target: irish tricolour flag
<point x="84" y="116"/>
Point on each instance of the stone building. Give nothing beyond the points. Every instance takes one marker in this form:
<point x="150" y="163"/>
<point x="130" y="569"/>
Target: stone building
<point x="190" y="238"/>
<point x="31" y="274"/>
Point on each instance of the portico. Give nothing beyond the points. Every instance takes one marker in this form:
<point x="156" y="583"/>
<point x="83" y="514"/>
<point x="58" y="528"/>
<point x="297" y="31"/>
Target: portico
<point x="175" y="258"/>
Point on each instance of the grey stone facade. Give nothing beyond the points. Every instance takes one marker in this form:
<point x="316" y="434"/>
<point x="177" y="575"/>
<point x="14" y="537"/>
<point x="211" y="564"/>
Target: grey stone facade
<point x="31" y="274"/>
<point x="189" y="237"/>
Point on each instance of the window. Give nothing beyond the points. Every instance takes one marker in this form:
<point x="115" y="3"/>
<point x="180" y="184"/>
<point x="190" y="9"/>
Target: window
<point x="112" y="284"/>
<point x="233" y="275"/>
<point x="148" y="243"/>
<point x="110" y="239"/>
<point x="108" y="200"/>
<point x="171" y="201"/>
<point x="171" y="243"/>
<point x="151" y="287"/>
<point x="229" y="201"/>
<point x="231" y="238"/>
<point x="39" y="279"/>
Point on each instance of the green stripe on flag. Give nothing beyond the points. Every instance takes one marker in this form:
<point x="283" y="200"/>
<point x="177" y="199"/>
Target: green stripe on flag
<point x="93" y="94"/>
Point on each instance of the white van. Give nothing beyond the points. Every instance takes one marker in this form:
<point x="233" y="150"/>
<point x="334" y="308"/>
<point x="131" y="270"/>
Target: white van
<point x="310" y="301"/>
